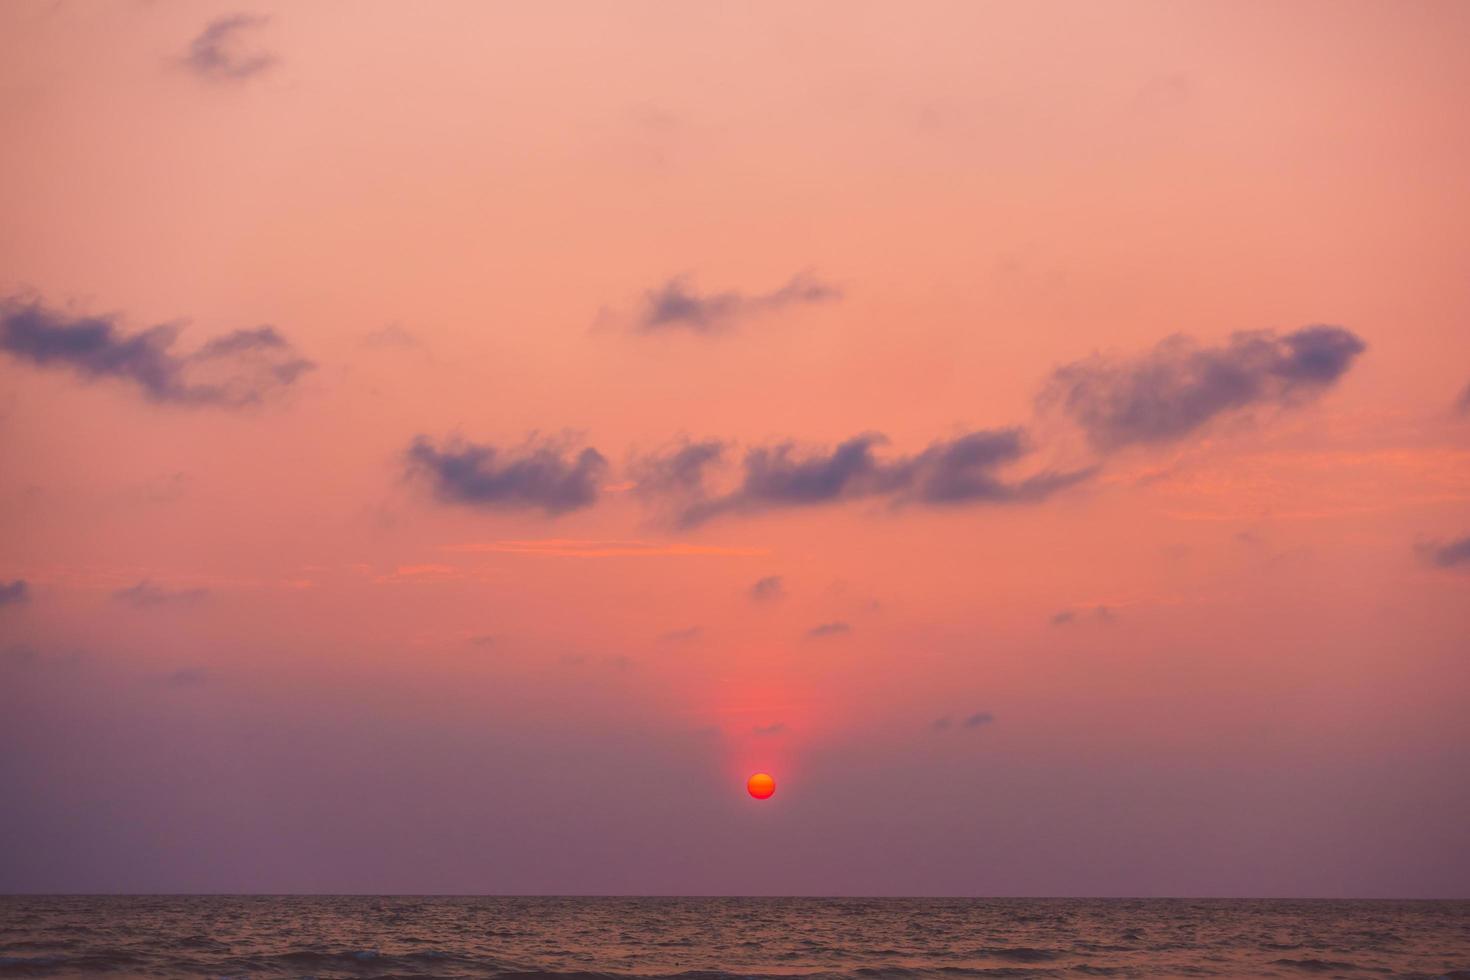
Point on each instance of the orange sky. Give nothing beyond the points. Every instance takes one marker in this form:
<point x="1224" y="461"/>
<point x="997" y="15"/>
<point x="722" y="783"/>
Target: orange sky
<point x="1199" y="627"/>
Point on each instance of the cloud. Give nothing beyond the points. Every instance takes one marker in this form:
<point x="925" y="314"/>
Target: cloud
<point x="239" y="368"/>
<point x="1100" y="614"/>
<point x="539" y="475"/>
<point x="676" y="475"/>
<point x="1180" y="386"/>
<point x="1462" y="404"/>
<point x="483" y="640"/>
<point x="686" y="635"/>
<point x="188" y="677"/>
<point x="219" y="52"/>
<point x="14" y="593"/>
<point x="591" y="548"/>
<point x="828" y="629"/>
<point x="768" y="588"/>
<point x="146" y="595"/>
<point x="776" y="729"/>
<point x="1447" y="554"/>
<point x="964" y="470"/>
<point x="676" y="305"/>
<point x="393" y="336"/>
<point x="975" y="720"/>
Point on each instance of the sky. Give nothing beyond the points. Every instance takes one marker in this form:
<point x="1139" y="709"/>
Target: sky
<point x="447" y="448"/>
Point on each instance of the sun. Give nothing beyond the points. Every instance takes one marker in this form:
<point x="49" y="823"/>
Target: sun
<point x="761" y="785"/>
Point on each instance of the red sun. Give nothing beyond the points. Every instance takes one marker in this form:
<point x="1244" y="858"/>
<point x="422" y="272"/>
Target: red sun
<point x="761" y="785"/>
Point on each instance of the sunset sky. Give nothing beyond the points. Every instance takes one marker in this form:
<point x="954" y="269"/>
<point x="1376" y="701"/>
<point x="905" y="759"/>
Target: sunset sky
<point x="448" y="447"/>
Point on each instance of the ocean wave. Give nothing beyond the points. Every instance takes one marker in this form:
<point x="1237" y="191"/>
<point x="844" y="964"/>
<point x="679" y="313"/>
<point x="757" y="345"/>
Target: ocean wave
<point x="1317" y="966"/>
<point x="376" y="938"/>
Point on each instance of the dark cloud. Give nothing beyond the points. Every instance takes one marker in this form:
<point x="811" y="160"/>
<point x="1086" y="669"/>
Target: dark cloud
<point x="777" y="729"/>
<point x="14" y="593"/>
<point x="239" y="368"/>
<point x="484" y="640"/>
<point x="539" y="475"/>
<point x="828" y="629"/>
<point x="1448" y="554"/>
<point x="1180" y="386"/>
<point x="780" y="476"/>
<point x="942" y="724"/>
<point x="1462" y="404"/>
<point x="220" y="52"/>
<point x="678" y="306"/>
<point x="962" y="471"/>
<point x="768" y="588"/>
<point x="146" y="595"/>
<point x="685" y="635"/>
<point x="957" y="471"/>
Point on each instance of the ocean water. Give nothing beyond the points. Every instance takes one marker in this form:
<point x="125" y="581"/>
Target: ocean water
<point x="714" y="938"/>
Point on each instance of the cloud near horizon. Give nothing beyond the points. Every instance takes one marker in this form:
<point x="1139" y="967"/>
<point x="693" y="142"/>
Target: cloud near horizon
<point x="677" y="305"/>
<point x="236" y="369"/>
<point x="976" y="720"/>
<point x="1100" y="614"/>
<point x="146" y="595"/>
<point x="957" y="471"/>
<point x="14" y="593"/>
<point x="1448" y="554"/>
<point x="540" y="475"/>
<point x="1180" y="386"/>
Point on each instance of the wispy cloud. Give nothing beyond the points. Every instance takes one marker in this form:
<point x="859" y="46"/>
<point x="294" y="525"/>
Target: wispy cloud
<point x="588" y="548"/>
<point x="1096" y="614"/>
<point x="390" y="337"/>
<point x="677" y="305"/>
<point x="146" y="595"/>
<point x="823" y="630"/>
<point x="686" y="635"/>
<point x="768" y="588"/>
<point x="188" y="677"/>
<point x="221" y="51"/>
<point x="239" y="368"/>
<point x="976" y="720"/>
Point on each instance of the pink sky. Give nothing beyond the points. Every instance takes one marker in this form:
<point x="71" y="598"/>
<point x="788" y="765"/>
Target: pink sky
<point x="1089" y="385"/>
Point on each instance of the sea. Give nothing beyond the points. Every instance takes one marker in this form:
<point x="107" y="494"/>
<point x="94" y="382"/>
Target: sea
<point x="726" y="938"/>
